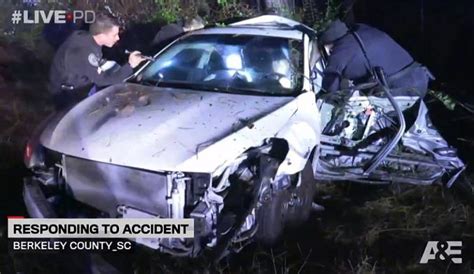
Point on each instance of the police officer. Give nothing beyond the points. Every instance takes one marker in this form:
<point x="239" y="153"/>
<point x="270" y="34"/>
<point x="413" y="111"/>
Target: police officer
<point x="78" y="65"/>
<point x="172" y="31"/>
<point x="354" y="53"/>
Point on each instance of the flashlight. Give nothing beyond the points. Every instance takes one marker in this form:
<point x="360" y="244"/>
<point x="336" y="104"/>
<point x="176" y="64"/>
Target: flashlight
<point x="149" y="58"/>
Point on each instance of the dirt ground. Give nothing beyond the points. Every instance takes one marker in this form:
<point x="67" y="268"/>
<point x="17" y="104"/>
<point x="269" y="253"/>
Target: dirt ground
<point x="364" y="229"/>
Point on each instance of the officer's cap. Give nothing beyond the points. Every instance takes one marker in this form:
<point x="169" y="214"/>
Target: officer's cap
<point x="334" y="31"/>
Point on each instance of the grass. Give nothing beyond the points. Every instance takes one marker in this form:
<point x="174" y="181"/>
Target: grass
<point x="383" y="232"/>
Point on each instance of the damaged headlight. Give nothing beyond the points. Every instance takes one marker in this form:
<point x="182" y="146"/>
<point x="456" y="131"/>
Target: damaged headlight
<point x="34" y="155"/>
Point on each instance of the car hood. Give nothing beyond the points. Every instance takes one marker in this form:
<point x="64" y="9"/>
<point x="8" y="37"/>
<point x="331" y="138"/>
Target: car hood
<point x="165" y="129"/>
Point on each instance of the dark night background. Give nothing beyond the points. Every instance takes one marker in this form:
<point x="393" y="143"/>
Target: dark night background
<point x="365" y="229"/>
<point x="438" y="33"/>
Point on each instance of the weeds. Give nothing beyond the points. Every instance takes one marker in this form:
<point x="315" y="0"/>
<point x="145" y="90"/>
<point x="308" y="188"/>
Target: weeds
<point x="321" y="19"/>
<point x="226" y="10"/>
<point x="169" y="11"/>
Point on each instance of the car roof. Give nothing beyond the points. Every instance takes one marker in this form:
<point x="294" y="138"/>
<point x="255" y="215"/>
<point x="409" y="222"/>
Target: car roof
<point x="267" y="20"/>
<point x="265" y="25"/>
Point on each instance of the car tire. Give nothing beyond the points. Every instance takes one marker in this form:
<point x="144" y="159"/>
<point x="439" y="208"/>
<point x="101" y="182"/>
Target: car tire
<point x="299" y="211"/>
<point x="271" y="218"/>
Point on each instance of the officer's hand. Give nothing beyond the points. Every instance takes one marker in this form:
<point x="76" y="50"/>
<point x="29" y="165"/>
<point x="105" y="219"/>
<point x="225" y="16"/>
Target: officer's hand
<point x="135" y="58"/>
<point x="335" y="98"/>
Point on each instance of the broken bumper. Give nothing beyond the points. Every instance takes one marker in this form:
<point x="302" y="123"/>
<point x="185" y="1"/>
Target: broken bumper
<point x="36" y="203"/>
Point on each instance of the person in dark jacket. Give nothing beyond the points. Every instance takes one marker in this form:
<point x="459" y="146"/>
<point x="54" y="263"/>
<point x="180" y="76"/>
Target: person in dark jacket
<point x="170" y="32"/>
<point x="56" y="33"/>
<point x="78" y="66"/>
<point x="354" y="53"/>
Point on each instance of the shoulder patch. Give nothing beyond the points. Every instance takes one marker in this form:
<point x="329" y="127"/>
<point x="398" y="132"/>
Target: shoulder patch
<point x="93" y="60"/>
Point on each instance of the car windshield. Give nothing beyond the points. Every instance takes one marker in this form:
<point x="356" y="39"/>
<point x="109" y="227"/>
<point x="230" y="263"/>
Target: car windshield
<point x="230" y="63"/>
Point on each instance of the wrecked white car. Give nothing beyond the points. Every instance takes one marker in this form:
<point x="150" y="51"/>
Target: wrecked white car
<point x="220" y="127"/>
<point x="224" y="126"/>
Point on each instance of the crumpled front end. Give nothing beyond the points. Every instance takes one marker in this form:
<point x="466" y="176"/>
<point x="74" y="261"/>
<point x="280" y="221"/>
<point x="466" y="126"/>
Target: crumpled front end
<point x="226" y="209"/>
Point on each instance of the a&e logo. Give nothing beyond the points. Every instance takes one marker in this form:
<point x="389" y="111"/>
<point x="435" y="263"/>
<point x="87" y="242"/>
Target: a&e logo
<point x="438" y="250"/>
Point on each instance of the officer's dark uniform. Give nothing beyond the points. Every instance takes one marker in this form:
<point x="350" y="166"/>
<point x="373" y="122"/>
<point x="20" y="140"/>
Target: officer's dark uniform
<point x="75" y="69"/>
<point x="347" y="60"/>
<point x="167" y="34"/>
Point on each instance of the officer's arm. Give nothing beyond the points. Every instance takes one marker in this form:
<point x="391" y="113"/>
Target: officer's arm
<point x="110" y="77"/>
<point x="82" y="60"/>
<point x="331" y="81"/>
<point x="337" y="62"/>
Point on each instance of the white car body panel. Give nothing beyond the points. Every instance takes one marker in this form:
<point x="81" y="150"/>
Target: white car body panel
<point x="302" y="132"/>
<point x="282" y="33"/>
<point x="267" y="19"/>
<point x="179" y="130"/>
